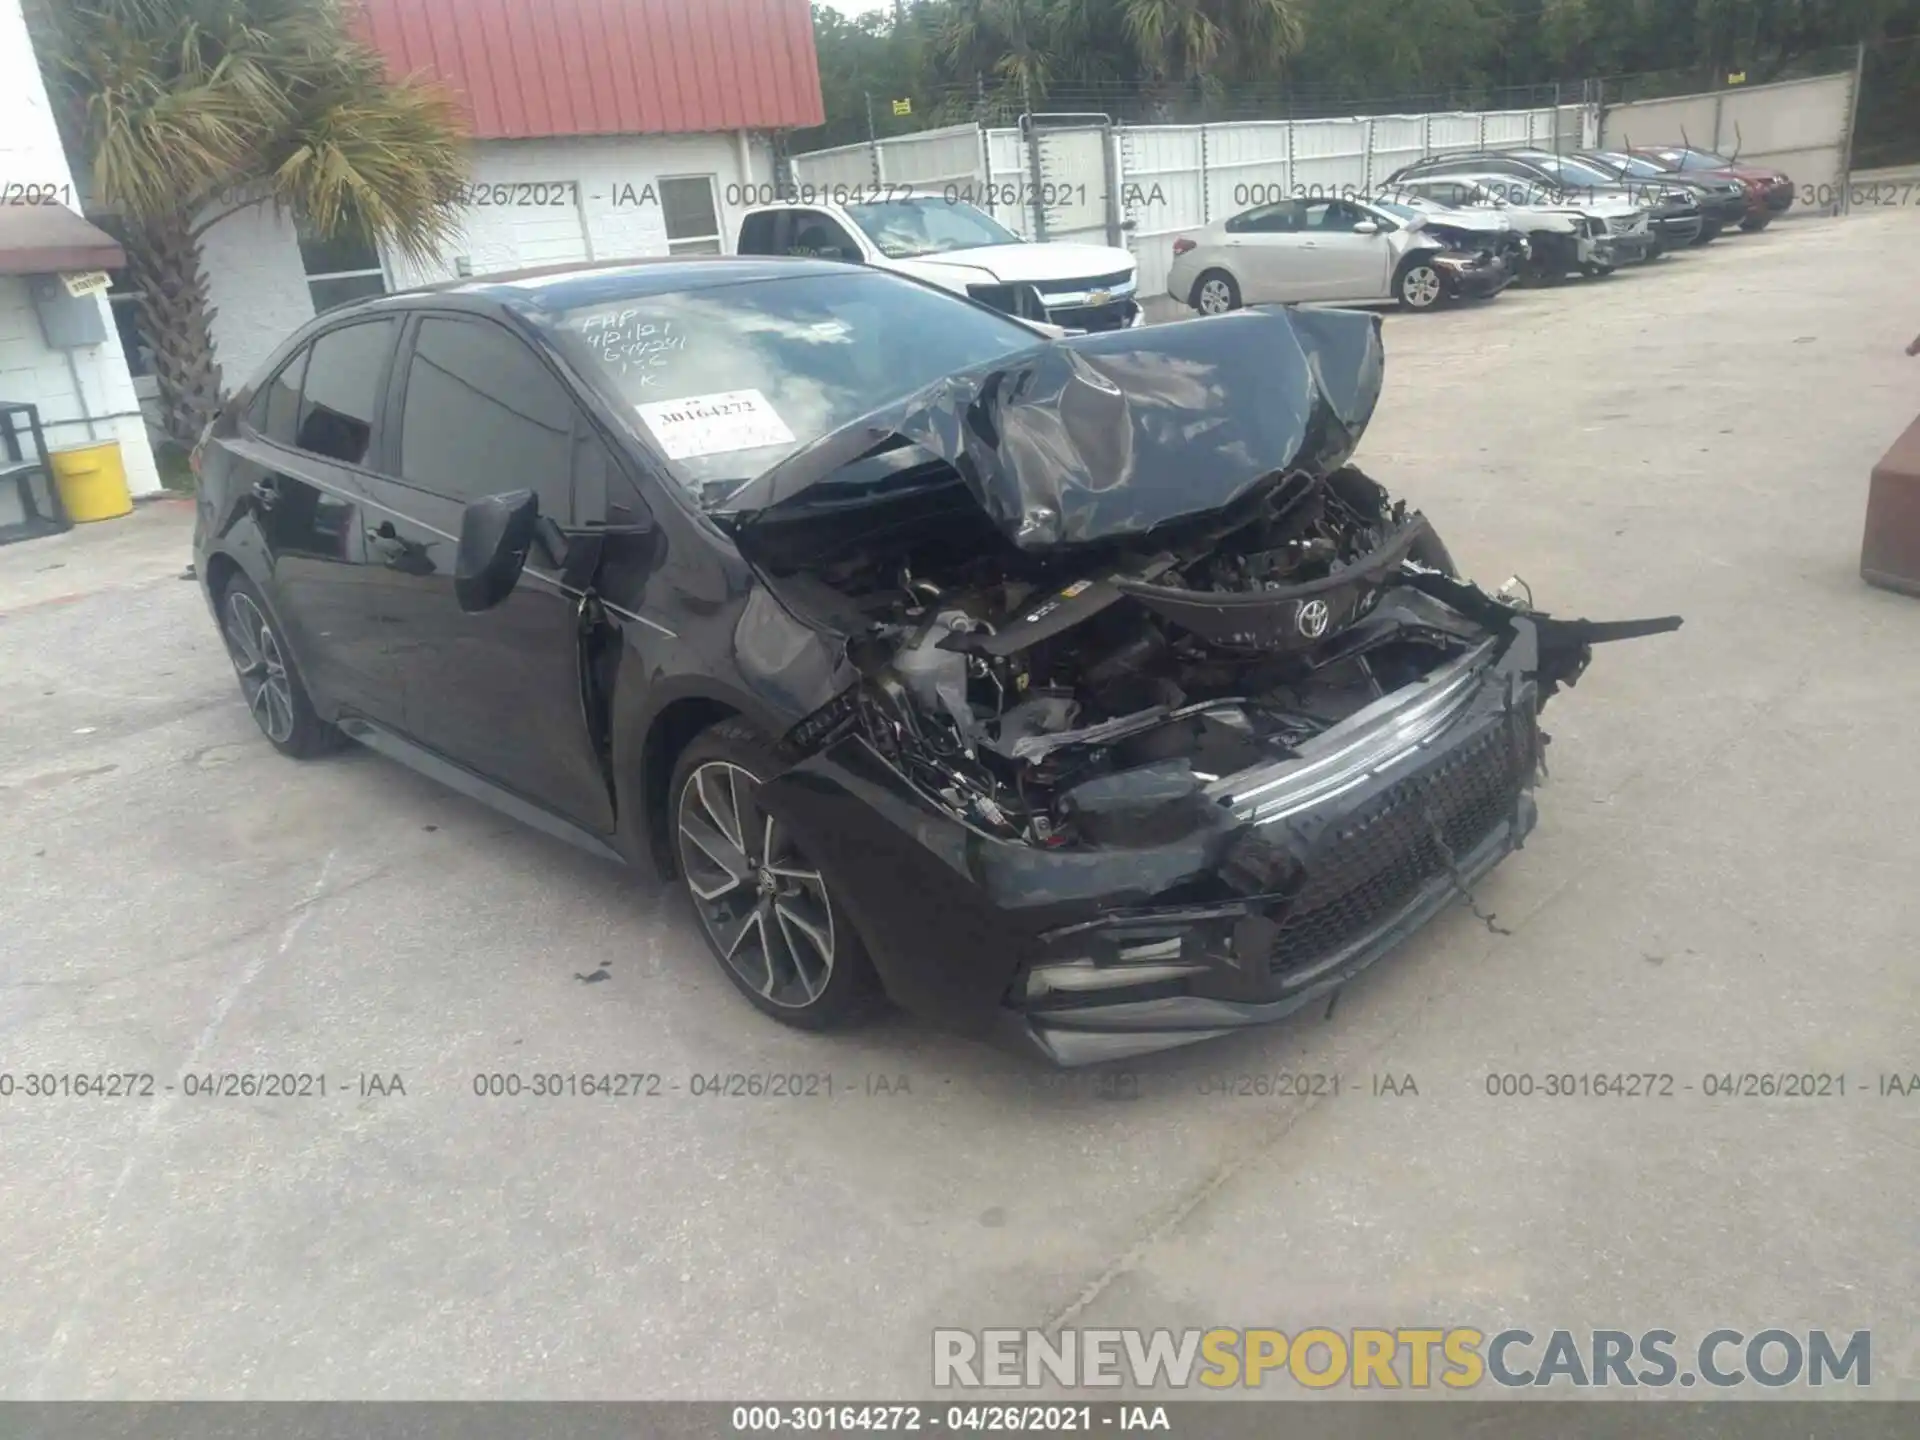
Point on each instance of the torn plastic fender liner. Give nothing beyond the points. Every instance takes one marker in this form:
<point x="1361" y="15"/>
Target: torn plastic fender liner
<point x="1566" y="646"/>
<point x="1283" y="617"/>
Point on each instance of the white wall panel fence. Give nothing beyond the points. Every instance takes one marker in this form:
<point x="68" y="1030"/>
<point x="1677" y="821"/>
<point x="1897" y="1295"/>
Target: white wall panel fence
<point x="1164" y="180"/>
<point x="1799" y="126"/>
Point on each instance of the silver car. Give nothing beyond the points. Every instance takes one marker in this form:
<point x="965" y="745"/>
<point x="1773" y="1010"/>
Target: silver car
<point x="1329" y="251"/>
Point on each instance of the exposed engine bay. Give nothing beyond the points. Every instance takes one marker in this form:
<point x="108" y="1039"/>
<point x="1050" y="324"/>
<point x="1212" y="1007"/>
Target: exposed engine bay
<point x="1075" y="596"/>
<point x="1059" y="706"/>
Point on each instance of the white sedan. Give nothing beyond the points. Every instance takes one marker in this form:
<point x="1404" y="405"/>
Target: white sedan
<point x="1326" y="251"/>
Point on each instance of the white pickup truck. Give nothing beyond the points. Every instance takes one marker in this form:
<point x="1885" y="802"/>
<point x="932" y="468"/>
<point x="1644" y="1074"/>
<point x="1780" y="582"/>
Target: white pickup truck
<point x="950" y="243"/>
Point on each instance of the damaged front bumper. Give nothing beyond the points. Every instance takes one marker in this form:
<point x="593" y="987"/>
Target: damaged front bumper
<point x="1473" y="277"/>
<point x="1295" y="876"/>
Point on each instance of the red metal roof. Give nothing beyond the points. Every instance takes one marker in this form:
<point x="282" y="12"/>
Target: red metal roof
<point x="529" y="68"/>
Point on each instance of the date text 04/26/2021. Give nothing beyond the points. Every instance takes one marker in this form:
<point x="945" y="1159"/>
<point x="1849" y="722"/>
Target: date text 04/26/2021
<point x="971" y="1419"/>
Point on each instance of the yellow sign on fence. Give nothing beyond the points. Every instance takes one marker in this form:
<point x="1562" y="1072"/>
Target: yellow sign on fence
<point x="903" y="107"/>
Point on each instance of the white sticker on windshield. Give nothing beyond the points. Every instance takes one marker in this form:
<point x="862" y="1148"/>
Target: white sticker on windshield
<point x="714" y="424"/>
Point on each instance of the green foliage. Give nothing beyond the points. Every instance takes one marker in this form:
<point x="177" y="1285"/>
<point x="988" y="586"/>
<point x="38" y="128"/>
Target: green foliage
<point x="959" y="58"/>
<point x="182" y="105"/>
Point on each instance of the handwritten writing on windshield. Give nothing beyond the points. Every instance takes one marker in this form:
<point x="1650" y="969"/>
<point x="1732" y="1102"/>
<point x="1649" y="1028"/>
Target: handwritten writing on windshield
<point x="633" y="344"/>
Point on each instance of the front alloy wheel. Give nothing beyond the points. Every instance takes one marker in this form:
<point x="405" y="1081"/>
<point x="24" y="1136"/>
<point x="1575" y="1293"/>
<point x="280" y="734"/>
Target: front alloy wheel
<point x="765" y="908"/>
<point x="1420" y="287"/>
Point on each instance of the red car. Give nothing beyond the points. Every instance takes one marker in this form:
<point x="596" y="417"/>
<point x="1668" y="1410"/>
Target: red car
<point x="1769" y="192"/>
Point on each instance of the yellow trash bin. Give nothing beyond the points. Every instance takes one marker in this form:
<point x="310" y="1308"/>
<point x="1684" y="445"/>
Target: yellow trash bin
<point x="93" y="481"/>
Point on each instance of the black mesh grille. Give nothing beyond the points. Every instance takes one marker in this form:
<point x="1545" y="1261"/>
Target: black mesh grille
<point x="1384" y="854"/>
<point x="1115" y="316"/>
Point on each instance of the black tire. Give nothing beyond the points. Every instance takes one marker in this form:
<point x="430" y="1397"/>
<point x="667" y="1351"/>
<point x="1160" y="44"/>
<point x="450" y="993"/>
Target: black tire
<point x="1709" y="232"/>
<point x="270" y="681"/>
<point x="766" y="911"/>
<point x="1418" y="285"/>
<point x="1214" y="286"/>
<point x="1755" y="224"/>
<point x="1550" y="261"/>
<point x="1596" y="272"/>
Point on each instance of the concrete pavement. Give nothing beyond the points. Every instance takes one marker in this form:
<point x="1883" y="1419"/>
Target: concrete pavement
<point x="1722" y="883"/>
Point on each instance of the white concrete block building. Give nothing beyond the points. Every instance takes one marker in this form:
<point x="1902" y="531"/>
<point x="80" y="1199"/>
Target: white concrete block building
<point x="84" y="392"/>
<point x="635" y="128"/>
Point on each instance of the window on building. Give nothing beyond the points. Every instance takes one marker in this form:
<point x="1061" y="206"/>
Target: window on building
<point x="340" y="269"/>
<point x="342" y="390"/>
<point x="123" y="299"/>
<point x="693" y="220"/>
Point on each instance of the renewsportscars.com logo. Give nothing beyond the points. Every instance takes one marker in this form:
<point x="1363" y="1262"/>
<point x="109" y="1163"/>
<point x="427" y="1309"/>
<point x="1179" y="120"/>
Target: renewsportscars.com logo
<point x="1418" y="1358"/>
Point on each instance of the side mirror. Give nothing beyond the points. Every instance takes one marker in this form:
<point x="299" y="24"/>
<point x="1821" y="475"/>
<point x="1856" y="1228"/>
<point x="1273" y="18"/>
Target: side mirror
<point x="1366" y="227"/>
<point x="495" y="535"/>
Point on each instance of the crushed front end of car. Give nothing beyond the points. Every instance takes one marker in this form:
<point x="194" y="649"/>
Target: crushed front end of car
<point x="1163" y="718"/>
<point x="1476" y="264"/>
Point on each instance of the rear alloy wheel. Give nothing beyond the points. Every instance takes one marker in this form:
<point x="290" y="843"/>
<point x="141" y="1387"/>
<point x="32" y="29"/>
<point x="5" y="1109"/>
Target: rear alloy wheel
<point x="764" y="907"/>
<point x="1419" y="286"/>
<point x="1215" y="293"/>
<point x="269" y="681"/>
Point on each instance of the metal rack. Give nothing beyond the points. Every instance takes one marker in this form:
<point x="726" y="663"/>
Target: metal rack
<point x="27" y="473"/>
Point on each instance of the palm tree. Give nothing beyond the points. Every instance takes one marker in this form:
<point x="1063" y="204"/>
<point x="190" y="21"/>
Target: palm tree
<point x="1180" y="41"/>
<point x="187" y="111"/>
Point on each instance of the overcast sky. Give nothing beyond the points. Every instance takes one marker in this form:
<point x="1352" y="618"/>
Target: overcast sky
<point x="855" y="7"/>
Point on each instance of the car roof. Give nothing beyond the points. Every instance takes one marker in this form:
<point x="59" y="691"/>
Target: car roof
<point x="557" y="288"/>
<point x="562" y="287"/>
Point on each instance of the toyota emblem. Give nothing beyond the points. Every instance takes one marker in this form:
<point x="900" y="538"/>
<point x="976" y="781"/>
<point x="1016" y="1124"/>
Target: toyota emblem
<point x="1311" y="618"/>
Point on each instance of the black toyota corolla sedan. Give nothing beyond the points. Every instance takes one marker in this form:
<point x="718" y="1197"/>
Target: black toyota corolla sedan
<point x="1073" y="689"/>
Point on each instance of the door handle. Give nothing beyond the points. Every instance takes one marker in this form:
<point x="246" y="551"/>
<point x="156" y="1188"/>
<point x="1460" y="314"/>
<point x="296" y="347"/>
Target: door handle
<point x="266" y="493"/>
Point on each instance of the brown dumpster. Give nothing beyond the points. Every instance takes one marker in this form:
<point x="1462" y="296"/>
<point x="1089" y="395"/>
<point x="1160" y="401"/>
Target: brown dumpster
<point x="1890" y="553"/>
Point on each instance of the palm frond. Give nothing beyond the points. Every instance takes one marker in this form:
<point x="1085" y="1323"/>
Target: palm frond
<point x="177" y="104"/>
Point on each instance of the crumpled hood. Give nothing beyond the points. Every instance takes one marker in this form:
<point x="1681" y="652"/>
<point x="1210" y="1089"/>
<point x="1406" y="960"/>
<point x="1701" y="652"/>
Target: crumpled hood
<point x="1489" y="222"/>
<point x="1106" y="436"/>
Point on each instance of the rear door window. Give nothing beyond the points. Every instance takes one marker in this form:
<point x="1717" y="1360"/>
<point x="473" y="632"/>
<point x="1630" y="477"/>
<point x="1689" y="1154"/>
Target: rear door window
<point x="275" y="412"/>
<point x="341" y="396"/>
<point x="821" y="235"/>
<point x="760" y="233"/>
<point x="1281" y="219"/>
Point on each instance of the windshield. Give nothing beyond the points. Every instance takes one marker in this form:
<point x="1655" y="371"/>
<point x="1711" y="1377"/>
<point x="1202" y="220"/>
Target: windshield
<point x="1635" y="165"/>
<point x="903" y="229"/>
<point x="1394" y="207"/>
<point x="1575" y="172"/>
<point x="728" y="380"/>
